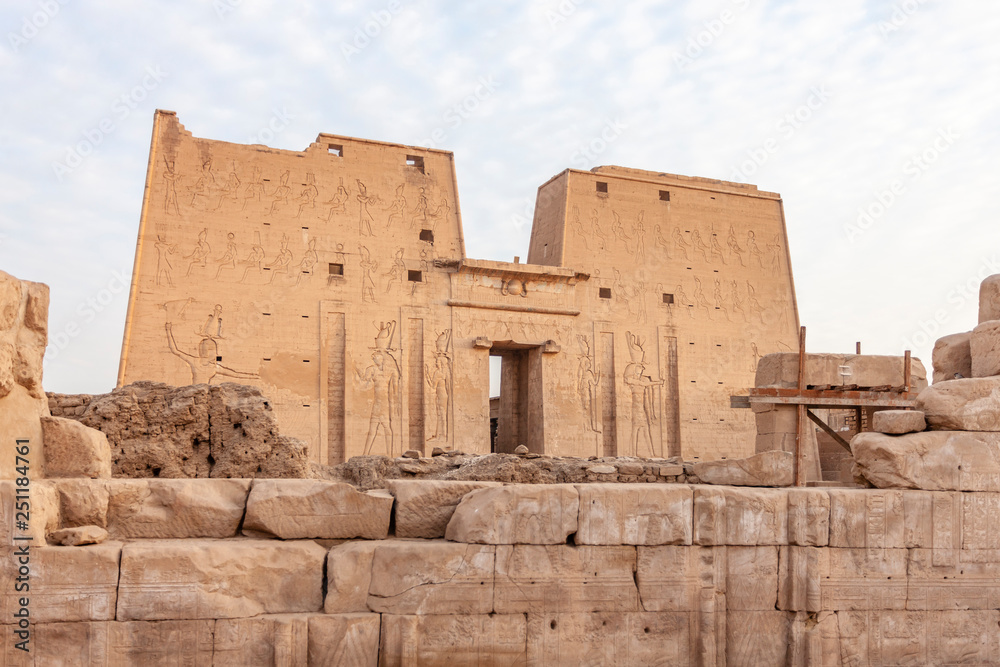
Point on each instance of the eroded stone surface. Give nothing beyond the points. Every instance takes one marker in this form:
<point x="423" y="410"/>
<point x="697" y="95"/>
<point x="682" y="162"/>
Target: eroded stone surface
<point x="219" y="578"/>
<point x="952" y="357"/>
<point x="672" y="578"/>
<point x="808" y="517"/>
<point x="519" y="514"/>
<point x="933" y="460"/>
<point x="769" y="468"/>
<point x="79" y="536"/>
<point x="75" y="450"/>
<point x="898" y="422"/>
<point x="348" y="577"/>
<point x="82" y="502"/>
<point x="66" y="583"/>
<point x="263" y="640"/>
<point x="634" y="514"/>
<point x="175" y="508"/>
<point x="424" y="508"/>
<point x="970" y="404"/>
<point x="128" y="643"/>
<point x="431" y="577"/>
<point x="345" y="639"/>
<point x="740" y="516"/>
<point x="495" y="639"/>
<point x="299" y="508"/>
<point x="984" y="347"/>
<point x="537" y="578"/>
<point x="637" y="638"/>
<point x="868" y="370"/>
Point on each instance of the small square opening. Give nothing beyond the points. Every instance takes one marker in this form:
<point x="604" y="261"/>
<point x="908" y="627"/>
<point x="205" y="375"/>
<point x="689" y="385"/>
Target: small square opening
<point x="415" y="161"/>
<point x="427" y="235"/>
<point x="668" y="298"/>
<point x="336" y="269"/>
<point x="604" y="292"/>
<point x="415" y="276"/>
<point x="335" y="149"/>
<point x="602" y="187"/>
<point x="218" y="358"/>
<point x="664" y="195"/>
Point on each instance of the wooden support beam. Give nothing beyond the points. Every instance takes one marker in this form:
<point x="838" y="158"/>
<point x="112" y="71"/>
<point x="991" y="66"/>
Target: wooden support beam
<point x="829" y="431"/>
<point x="800" y="416"/>
<point x="907" y="370"/>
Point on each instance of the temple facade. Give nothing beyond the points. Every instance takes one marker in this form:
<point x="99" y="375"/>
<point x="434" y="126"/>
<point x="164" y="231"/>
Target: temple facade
<point x="336" y="280"/>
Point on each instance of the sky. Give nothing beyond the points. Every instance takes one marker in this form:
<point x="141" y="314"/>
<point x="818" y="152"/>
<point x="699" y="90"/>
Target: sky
<point x="877" y="122"/>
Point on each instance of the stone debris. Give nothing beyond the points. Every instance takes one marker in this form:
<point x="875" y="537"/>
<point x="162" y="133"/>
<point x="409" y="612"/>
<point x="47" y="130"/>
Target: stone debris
<point x="969" y="404"/>
<point x="932" y="460"/>
<point x="952" y="357"/>
<point x="74" y="450"/>
<point x="520" y="450"/>
<point x="768" y="468"/>
<point x="156" y="430"/>
<point x="300" y="508"/>
<point x="79" y="536"/>
<point x="898" y="422"/>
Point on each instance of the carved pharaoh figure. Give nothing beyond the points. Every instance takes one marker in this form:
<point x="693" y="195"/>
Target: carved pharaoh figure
<point x="199" y="255"/>
<point x="643" y="393"/>
<point x="587" y="383"/>
<point x="382" y="376"/>
<point x="439" y="381"/>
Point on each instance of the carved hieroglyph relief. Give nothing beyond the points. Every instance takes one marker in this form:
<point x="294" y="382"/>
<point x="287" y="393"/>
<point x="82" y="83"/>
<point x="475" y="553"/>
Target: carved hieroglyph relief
<point x="383" y="377"/>
<point x="588" y="381"/>
<point x="644" y="404"/>
<point x="439" y="380"/>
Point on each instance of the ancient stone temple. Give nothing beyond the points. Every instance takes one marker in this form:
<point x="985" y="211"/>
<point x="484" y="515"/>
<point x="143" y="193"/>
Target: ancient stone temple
<point x="336" y="280"/>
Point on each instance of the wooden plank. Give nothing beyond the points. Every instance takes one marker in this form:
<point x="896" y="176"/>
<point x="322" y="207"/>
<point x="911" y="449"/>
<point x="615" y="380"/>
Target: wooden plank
<point x="800" y="415"/>
<point x="829" y="431"/>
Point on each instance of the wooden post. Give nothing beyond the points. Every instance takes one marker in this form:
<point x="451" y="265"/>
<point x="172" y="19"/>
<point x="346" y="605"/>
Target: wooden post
<point x="907" y="371"/>
<point x="857" y="348"/>
<point x="857" y="411"/>
<point x="801" y="421"/>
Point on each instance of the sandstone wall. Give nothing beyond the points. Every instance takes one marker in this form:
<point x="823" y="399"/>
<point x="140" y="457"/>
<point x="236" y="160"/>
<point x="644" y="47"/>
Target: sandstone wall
<point x="518" y="574"/>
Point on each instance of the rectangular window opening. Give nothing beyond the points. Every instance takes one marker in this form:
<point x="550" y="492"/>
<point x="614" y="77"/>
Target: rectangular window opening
<point x="336" y="269"/>
<point x="602" y="187"/>
<point x="604" y="292"/>
<point x="415" y="276"/>
<point x="668" y="298"/>
<point x="218" y="358"/>
<point x="415" y="161"/>
<point x="335" y="149"/>
<point x="664" y="195"/>
<point x="427" y="235"/>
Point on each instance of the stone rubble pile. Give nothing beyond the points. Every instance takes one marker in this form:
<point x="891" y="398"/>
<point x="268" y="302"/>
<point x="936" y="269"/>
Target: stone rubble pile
<point x="951" y="441"/>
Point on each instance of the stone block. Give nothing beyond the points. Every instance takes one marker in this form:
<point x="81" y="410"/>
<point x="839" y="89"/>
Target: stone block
<point x="517" y="514"/>
<point x="672" y="578"/>
<point x="607" y="638"/>
<point x="933" y="519"/>
<point x="433" y="577"/>
<point x="984" y="348"/>
<point x="857" y="578"/>
<point x="769" y="468"/>
<point x="262" y="640"/>
<point x="132" y="643"/>
<point x="970" y="404"/>
<point x="781" y="369"/>
<point x="304" y="508"/>
<point x="41" y="513"/>
<point x="919" y="637"/>
<point x="75" y="450"/>
<point x="898" y="422"/>
<point x="776" y="419"/>
<point x="954" y="579"/>
<point x="799" y="579"/>
<point x="808" y="517"/>
<point x="757" y="638"/>
<point x="537" y="578"/>
<point x="82" y="502"/>
<point x="175" y="508"/>
<point x="932" y="460"/>
<point x="493" y="639"/>
<point x="989" y="298"/>
<point x="345" y="639"/>
<point x="866" y="518"/>
<point x="634" y="514"/>
<point x="751" y="578"/>
<point x="66" y="583"/>
<point x="194" y="579"/>
<point x="952" y="357"/>
<point x="348" y="577"/>
<point x="78" y="536"/>
<point x="740" y="516"/>
<point x="424" y="507"/>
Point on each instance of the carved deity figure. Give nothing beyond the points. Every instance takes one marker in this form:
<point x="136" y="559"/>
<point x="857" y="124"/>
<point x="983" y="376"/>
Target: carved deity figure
<point x="199" y="255"/>
<point x="368" y="267"/>
<point x="307" y="198"/>
<point x="680" y="242"/>
<point x="397" y="208"/>
<point x="255" y="189"/>
<point x="717" y="248"/>
<point x="397" y="272"/>
<point x="382" y="376"/>
<point x="366" y="218"/>
<point x="587" y="383"/>
<point x="170" y="185"/>
<point x="230" y="190"/>
<point x="752" y="248"/>
<point x="734" y="245"/>
<point x="421" y="210"/>
<point x="309" y="261"/>
<point x="339" y="202"/>
<point x="205" y="184"/>
<point x="205" y="365"/>
<point x="439" y="381"/>
<point x="640" y="240"/>
<point x="281" y="193"/>
<point x="228" y="260"/>
<point x="163" y="265"/>
<point x="255" y="258"/>
<point x="698" y="244"/>
<point x="643" y="393"/>
<point x="282" y="261"/>
<point x="618" y="229"/>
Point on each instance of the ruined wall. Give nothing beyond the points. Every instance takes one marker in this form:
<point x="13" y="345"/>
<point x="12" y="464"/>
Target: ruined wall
<point x="480" y="573"/>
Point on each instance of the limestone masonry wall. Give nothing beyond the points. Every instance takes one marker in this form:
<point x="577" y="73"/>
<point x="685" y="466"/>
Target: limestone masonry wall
<point x="307" y="572"/>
